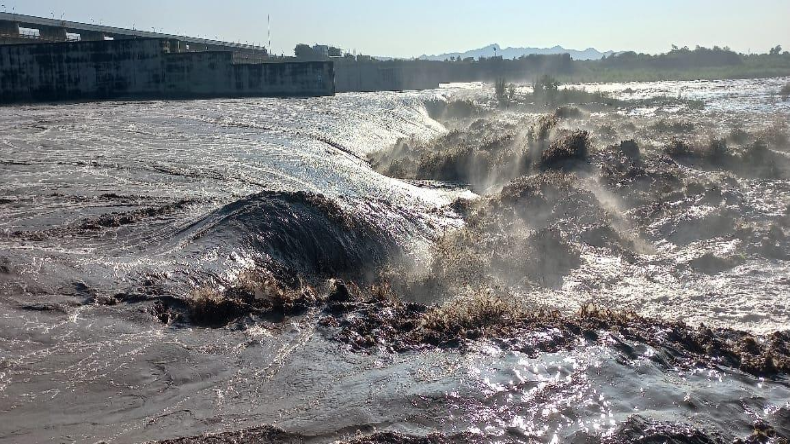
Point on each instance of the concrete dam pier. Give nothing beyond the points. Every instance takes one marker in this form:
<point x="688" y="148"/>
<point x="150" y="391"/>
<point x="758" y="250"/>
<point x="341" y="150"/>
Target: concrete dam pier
<point x="149" y="68"/>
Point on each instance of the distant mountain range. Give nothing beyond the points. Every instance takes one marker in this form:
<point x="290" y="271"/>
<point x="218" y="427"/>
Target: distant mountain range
<point x="512" y="53"/>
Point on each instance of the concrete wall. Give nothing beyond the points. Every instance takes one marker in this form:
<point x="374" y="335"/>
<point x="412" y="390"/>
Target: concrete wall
<point x="382" y="76"/>
<point x="199" y="74"/>
<point x="77" y="71"/>
<point x="287" y="79"/>
<point x="144" y="68"/>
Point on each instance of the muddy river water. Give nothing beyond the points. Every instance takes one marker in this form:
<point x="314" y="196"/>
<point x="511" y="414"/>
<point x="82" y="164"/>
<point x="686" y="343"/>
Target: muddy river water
<point x="102" y="199"/>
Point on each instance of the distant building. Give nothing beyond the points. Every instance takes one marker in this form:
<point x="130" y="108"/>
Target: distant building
<point x="321" y="50"/>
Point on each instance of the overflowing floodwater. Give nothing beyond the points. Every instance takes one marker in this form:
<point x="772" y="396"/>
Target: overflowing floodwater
<point x="100" y="201"/>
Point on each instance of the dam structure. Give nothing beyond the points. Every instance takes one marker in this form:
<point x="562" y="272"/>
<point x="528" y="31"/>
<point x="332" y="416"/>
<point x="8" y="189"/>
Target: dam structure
<point x="45" y="60"/>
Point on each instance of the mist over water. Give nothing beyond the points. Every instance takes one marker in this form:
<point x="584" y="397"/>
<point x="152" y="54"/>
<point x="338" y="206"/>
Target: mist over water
<point x="108" y="209"/>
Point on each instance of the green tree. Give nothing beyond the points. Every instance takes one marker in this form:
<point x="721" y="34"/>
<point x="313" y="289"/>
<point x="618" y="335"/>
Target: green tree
<point x="500" y="89"/>
<point x="776" y="50"/>
<point x="335" y="52"/>
<point x="546" y="89"/>
<point x="511" y="92"/>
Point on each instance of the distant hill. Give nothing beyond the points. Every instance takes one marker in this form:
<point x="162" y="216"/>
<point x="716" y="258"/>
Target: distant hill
<point x="513" y="53"/>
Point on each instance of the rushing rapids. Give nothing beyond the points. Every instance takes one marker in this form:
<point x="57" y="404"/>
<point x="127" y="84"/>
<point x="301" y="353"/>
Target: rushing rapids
<point x="418" y="267"/>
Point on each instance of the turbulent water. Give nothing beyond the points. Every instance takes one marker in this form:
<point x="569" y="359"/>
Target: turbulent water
<point x="107" y="209"/>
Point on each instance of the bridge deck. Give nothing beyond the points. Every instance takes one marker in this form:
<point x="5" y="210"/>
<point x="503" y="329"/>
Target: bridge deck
<point x="27" y="21"/>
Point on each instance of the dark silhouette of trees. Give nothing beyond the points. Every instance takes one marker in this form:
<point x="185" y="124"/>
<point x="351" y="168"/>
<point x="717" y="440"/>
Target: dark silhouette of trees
<point x="500" y="89"/>
<point x="307" y="52"/>
<point x="335" y="52"/>
<point x="676" y="59"/>
<point x="303" y="51"/>
<point x="545" y="89"/>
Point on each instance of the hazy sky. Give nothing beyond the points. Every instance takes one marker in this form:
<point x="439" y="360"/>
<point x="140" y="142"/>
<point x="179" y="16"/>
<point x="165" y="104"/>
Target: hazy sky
<point x="408" y="28"/>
